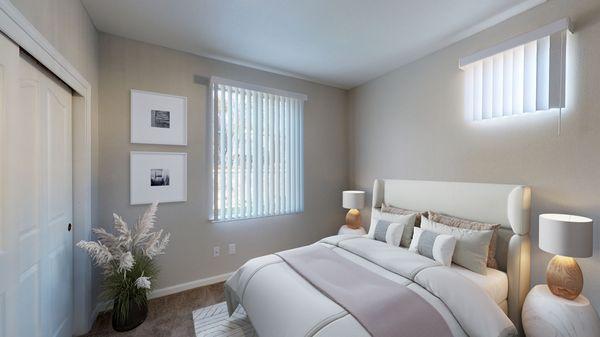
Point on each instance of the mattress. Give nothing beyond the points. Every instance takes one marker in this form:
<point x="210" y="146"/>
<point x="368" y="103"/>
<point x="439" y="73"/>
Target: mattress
<point x="495" y="283"/>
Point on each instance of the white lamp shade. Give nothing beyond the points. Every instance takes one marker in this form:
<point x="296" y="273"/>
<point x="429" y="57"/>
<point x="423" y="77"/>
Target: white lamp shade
<point x="567" y="235"/>
<point x="353" y="199"/>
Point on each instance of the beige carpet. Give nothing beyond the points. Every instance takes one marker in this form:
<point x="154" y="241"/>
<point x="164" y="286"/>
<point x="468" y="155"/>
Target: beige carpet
<point x="168" y="316"/>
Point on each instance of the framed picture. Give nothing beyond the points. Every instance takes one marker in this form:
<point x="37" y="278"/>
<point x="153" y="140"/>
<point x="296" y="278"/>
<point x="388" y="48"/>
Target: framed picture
<point x="157" y="176"/>
<point x="158" y="118"/>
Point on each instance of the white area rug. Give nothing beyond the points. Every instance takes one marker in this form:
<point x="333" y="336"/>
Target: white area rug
<point x="214" y="321"/>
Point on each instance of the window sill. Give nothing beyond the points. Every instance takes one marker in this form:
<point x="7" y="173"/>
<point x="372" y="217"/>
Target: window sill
<point x="255" y="217"/>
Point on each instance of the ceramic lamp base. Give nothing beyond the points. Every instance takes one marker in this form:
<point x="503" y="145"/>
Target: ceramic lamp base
<point x="353" y="219"/>
<point x="564" y="277"/>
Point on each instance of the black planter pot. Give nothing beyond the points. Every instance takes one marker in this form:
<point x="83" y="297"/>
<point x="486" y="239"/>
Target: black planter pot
<point x="136" y="315"/>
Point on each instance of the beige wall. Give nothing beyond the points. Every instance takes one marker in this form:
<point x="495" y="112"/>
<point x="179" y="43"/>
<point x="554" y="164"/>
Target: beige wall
<point x="409" y="124"/>
<point x="127" y="64"/>
<point x="67" y="26"/>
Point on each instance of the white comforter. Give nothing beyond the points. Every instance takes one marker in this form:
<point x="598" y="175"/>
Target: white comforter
<point x="279" y="302"/>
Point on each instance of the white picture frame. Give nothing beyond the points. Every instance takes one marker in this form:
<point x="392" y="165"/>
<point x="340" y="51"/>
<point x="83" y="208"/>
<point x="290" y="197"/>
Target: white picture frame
<point x="157" y="176"/>
<point x="158" y="118"/>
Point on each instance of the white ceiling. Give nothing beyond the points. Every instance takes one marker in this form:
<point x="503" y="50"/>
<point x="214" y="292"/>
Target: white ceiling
<point x="339" y="42"/>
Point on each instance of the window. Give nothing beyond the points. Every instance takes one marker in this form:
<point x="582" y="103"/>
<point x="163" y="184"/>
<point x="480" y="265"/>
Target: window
<point x="257" y="147"/>
<point x="524" y="74"/>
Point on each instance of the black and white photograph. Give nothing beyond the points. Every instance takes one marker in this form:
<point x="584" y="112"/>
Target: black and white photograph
<point x="160" y="119"/>
<point x="159" y="177"/>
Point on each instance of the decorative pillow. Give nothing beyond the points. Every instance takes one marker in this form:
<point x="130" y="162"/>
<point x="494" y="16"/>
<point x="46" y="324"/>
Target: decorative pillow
<point x="469" y="224"/>
<point x="390" y="232"/>
<point x="408" y="221"/>
<point x="438" y="247"/>
<point x="397" y="210"/>
<point x="472" y="246"/>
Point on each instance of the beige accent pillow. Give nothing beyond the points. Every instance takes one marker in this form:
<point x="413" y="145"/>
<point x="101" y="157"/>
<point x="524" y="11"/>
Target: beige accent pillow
<point x="397" y="210"/>
<point x="472" y="246"/>
<point x="470" y="224"/>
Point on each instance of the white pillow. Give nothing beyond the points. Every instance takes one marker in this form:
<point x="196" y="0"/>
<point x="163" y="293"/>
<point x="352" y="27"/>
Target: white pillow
<point x="390" y="232"/>
<point x="439" y="247"/>
<point x="408" y="221"/>
<point x="472" y="246"/>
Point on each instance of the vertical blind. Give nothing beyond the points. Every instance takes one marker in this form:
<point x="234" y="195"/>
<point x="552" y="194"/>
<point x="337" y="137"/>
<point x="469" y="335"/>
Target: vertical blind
<point x="257" y="139"/>
<point x="521" y="75"/>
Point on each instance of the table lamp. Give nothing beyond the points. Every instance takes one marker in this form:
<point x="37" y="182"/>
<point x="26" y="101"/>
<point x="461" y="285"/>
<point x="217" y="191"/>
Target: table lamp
<point x="567" y="236"/>
<point x="353" y="200"/>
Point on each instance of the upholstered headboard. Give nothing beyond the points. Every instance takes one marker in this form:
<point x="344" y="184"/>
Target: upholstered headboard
<point x="508" y="205"/>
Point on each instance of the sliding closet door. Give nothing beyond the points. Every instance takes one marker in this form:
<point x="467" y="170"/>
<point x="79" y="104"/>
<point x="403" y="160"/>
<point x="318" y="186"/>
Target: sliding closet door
<point x="37" y="202"/>
<point x="9" y="277"/>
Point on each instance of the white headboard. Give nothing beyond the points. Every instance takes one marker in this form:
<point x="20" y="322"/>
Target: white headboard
<point x="508" y="205"/>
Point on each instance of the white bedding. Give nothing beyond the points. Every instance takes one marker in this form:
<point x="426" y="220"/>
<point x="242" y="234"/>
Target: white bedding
<point x="495" y="283"/>
<point x="279" y="302"/>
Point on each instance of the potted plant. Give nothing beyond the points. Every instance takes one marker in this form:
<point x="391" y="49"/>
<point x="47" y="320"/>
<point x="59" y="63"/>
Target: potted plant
<point x="126" y="259"/>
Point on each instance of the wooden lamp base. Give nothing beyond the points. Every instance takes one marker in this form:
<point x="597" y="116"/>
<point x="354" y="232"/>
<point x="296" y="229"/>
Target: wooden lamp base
<point x="564" y="277"/>
<point x="353" y="219"/>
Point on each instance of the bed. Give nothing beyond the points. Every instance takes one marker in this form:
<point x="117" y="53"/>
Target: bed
<point x="282" y="299"/>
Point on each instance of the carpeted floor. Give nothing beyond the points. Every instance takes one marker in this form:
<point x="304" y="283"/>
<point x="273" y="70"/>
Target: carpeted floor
<point x="169" y="316"/>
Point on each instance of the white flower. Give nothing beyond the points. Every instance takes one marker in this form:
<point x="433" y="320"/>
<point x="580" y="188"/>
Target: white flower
<point x="156" y="246"/>
<point x="143" y="282"/>
<point x="99" y="252"/>
<point x="106" y="238"/>
<point x="126" y="262"/>
<point x="121" y="227"/>
<point x="142" y="228"/>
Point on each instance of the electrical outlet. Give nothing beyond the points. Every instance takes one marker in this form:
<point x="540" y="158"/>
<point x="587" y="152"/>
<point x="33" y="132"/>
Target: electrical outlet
<point x="231" y="248"/>
<point x="216" y="251"/>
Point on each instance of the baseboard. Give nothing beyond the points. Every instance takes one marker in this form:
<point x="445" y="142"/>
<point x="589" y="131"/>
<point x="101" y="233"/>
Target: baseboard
<point x="107" y="305"/>
<point x="189" y="285"/>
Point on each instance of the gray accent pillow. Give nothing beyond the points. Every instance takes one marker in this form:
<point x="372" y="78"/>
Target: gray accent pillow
<point x="381" y="230"/>
<point x="438" y="247"/>
<point x="472" y="246"/>
<point x="425" y="245"/>
<point x="408" y="222"/>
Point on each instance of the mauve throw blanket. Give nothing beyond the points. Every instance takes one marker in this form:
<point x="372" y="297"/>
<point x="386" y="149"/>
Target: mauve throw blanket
<point x="383" y="307"/>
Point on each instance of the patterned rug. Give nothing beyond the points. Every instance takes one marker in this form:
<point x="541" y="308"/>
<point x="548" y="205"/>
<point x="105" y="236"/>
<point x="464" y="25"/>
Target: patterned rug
<point x="214" y="321"/>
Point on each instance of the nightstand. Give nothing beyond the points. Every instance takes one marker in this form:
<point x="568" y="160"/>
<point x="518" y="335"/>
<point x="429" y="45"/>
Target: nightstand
<point x="347" y="230"/>
<point x="545" y="314"/>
